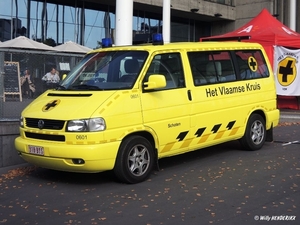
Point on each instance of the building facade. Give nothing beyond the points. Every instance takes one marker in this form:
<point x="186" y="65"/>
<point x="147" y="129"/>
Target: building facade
<point x="88" y="21"/>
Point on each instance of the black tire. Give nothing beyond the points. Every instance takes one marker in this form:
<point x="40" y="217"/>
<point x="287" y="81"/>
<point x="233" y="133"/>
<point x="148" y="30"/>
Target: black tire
<point x="135" y="160"/>
<point x="255" y="134"/>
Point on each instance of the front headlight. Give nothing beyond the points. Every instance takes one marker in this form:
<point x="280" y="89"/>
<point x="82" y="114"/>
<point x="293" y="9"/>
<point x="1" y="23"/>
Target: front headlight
<point x="86" y="125"/>
<point x="21" y="122"/>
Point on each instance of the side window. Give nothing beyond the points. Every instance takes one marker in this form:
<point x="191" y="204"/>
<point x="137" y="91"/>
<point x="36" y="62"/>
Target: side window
<point x="169" y="65"/>
<point x="211" y="67"/>
<point x="251" y="64"/>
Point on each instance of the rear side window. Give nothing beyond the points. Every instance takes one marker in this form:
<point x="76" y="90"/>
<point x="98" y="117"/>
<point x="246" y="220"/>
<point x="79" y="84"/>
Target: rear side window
<point x="251" y="65"/>
<point x="211" y="67"/>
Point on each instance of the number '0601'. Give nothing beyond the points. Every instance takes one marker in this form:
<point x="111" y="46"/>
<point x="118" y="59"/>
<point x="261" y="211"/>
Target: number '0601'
<point x="81" y="137"/>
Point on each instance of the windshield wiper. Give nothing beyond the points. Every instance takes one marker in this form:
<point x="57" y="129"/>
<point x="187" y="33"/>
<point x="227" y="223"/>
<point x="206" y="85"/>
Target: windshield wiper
<point x="60" y="87"/>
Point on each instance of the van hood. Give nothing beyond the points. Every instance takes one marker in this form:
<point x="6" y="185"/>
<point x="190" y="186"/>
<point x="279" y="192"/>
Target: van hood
<point x="66" y="105"/>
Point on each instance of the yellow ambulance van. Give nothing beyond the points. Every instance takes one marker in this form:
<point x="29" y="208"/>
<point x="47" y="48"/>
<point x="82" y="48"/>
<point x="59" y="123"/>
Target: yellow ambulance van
<point x="124" y="108"/>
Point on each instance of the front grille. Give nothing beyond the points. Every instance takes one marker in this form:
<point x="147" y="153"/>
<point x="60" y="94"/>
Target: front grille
<point x="47" y="137"/>
<point x="48" y="124"/>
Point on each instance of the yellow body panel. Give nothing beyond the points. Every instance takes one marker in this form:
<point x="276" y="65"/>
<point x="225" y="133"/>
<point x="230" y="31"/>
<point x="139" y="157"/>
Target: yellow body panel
<point x="178" y="120"/>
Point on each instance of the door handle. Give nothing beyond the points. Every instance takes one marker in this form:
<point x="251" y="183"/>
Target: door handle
<point x="189" y="93"/>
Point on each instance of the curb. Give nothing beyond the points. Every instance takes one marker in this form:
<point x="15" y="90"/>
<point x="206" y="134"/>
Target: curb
<point x="289" y="116"/>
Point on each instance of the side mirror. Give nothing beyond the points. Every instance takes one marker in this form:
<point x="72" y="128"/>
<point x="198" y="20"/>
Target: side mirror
<point x="155" y="81"/>
<point x="64" y="76"/>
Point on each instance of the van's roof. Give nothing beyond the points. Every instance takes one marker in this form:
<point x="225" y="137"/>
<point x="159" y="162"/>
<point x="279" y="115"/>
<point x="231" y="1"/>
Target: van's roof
<point x="185" y="45"/>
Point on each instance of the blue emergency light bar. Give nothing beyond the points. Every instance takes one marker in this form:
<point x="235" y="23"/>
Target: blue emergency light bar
<point x="157" y="39"/>
<point x="106" y="42"/>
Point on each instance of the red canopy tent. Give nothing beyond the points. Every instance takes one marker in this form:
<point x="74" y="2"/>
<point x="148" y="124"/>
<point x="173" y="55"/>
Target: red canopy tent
<point x="266" y="30"/>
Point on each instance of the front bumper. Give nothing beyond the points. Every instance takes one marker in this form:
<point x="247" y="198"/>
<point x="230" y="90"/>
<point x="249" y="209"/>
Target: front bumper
<point x="67" y="157"/>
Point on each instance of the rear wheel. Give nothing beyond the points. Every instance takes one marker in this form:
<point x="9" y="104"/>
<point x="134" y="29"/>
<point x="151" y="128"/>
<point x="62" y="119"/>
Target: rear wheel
<point x="255" y="134"/>
<point x="135" y="160"/>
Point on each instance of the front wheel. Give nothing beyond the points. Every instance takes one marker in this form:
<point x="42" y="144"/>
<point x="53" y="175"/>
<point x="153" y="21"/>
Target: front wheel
<point x="255" y="134"/>
<point x="135" y="160"/>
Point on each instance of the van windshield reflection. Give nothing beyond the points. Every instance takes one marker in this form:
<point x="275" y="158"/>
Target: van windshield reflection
<point x="108" y="70"/>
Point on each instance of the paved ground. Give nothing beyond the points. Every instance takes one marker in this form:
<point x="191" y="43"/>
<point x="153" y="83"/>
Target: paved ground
<point x="219" y="185"/>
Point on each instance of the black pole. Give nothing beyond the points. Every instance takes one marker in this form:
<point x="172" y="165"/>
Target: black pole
<point x="57" y="24"/>
<point x="28" y="18"/>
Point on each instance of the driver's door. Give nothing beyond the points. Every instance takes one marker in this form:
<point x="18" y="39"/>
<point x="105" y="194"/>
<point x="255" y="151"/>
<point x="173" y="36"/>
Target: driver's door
<point x="167" y="110"/>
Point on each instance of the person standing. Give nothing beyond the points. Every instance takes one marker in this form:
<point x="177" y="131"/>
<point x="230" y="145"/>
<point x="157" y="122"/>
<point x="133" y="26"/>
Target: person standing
<point x="27" y="86"/>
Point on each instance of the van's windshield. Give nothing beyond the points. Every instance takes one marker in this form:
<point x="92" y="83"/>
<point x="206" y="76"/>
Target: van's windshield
<point x="107" y="70"/>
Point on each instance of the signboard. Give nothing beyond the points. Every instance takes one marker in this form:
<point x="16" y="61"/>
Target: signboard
<point x="287" y="71"/>
<point x="11" y="80"/>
